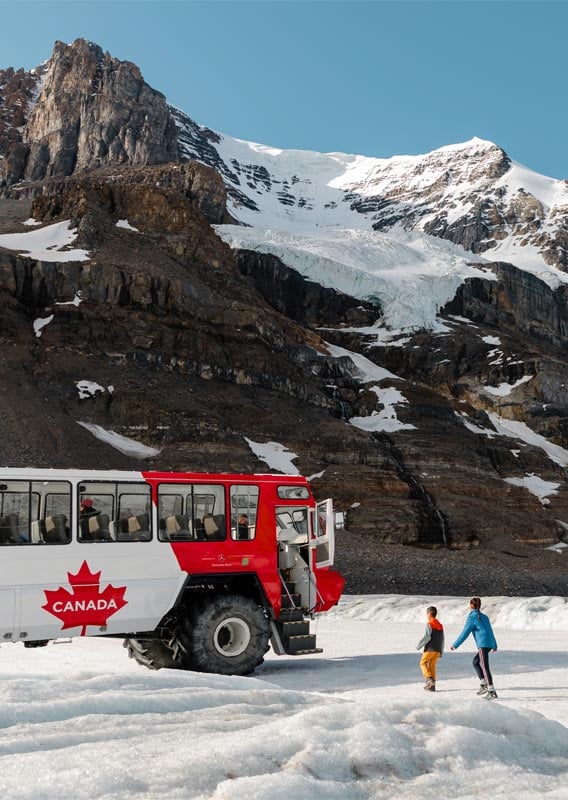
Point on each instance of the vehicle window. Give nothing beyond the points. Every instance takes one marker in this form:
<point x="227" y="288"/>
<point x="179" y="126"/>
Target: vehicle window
<point x="174" y="513"/>
<point x="114" y="512"/>
<point x="57" y="503"/>
<point x="55" y="512"/>
<point x="292" y="524"/>
<point x="244" y="509"/>
<point x="202" y="503"/>
<point x="293" y="492"/>
<point x="134" y="512"/>
<point x="18" y="506"/>
<point x="191" y="512"/>
<point x="29" y="516"/>
<point x="170" y="503"/>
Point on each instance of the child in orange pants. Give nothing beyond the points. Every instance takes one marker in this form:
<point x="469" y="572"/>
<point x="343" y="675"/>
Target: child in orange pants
<point x="433" y="644"/>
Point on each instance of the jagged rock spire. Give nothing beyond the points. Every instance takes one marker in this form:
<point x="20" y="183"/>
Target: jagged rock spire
<point x="92" y="111"/>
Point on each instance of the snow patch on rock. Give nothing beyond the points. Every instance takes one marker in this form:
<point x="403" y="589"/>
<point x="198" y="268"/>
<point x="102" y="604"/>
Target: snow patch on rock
<point x="275" y="455"/>
<point x="385" y="419"/>
<point x="535" y="485"/>
<point x="46" y="244"/>
<point x="129" y="447"/>
<point x="40" y="323"/>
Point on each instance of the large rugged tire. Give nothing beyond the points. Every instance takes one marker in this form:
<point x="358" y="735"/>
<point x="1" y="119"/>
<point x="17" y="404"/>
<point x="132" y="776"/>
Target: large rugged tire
<point x="151" y="653"/>
<point x="227" y="634"/>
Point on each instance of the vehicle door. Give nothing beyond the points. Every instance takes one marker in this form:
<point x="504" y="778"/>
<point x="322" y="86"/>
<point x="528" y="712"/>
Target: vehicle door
<point x="323" y="540"/>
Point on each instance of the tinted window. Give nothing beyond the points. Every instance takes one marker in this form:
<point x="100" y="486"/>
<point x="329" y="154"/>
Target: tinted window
<point x="114" y="512"/>
<point x="292" y="524"/>
<point x="35" y="512"/>
<point x="244" y="508"/>
<point x="293" y="492"/>
<point x="191" y="512"/>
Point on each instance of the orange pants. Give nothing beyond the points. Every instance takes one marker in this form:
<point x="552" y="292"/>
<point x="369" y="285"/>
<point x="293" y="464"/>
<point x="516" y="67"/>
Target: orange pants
<point x="428" y="664"/>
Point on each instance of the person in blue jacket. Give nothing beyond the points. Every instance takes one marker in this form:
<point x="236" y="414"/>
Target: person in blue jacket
<point x="478" y="624"/>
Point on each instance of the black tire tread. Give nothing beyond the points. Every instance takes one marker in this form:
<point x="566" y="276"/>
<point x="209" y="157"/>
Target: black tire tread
<point x="151" y="653"/>
<point x="196" y="635"/>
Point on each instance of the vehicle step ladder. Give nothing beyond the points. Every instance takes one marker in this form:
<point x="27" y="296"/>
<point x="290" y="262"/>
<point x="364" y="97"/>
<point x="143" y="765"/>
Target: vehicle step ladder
<point x="292" y="626"/>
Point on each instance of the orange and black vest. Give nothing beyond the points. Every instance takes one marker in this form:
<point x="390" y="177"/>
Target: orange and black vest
<point x="436" y="643"/>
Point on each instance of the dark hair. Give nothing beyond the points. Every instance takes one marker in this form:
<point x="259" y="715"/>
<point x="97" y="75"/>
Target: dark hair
<point x="475" y="603"/>
<point x="432" y="610"/>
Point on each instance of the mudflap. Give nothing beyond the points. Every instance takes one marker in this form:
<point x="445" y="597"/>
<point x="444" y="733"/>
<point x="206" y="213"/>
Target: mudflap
<point x="329" y="588"/>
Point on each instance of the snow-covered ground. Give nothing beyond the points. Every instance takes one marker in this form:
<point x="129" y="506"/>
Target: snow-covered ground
<point x="79" y="720"/>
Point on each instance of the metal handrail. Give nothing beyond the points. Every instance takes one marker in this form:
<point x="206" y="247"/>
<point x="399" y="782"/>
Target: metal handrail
<point x="283" y="582"/>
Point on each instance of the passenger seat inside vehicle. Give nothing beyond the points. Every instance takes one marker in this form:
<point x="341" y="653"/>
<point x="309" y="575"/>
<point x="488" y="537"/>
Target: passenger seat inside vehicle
<point x="214" y="526"/>
<point x="134" y="528"/>
<point x="95" y="529"/>
<point x="176" y="527"/>
<point x="9" y="529"/>
<point x="54" y="529"/>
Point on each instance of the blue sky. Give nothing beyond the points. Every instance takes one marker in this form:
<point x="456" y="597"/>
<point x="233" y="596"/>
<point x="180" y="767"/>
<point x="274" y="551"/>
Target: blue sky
<point x="377" y="78"/>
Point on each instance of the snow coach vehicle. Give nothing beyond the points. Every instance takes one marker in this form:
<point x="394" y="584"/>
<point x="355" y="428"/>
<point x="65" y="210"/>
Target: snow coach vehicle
<point x="194" y="571"/>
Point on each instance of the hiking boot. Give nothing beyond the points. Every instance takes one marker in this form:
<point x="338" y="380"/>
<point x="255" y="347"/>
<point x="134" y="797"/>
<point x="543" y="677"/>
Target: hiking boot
<point x="482" y="689"/>
<point x="430" y="685"/>
<point x="491" y="694"/>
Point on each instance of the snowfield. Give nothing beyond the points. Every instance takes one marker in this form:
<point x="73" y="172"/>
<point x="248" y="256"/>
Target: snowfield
<point x="316" y="212"/>
<point x="411" y="274"/>
<point x="82" y="721"/>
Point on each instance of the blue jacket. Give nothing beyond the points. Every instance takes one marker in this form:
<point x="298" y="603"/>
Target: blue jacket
<point x="478" y="624"/>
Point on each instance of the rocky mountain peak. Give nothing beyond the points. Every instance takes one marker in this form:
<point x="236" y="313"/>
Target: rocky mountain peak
<point x="92" y="111"/>
<point x="463" y="163"/>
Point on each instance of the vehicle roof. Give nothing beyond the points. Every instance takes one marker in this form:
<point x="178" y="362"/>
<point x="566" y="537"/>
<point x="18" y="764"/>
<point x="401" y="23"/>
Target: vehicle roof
<point x="29" y="473"/>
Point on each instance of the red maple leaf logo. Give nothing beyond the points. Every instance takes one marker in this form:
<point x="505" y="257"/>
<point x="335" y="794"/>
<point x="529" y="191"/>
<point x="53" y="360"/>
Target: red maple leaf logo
<point x="86" y="604"/>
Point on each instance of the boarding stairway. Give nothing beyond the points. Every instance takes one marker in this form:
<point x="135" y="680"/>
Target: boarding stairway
<point x="292" y="627"/>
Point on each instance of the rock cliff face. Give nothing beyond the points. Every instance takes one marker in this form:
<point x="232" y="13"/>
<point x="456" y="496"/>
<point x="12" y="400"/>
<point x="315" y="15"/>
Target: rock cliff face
<point x="517" y="302"/>
<point x="199" y="185"/>
<point x="92" y="111"/>
<point x="197" y="348"/>
<point x="18" y="92"/>
<point x="303" y="301"/>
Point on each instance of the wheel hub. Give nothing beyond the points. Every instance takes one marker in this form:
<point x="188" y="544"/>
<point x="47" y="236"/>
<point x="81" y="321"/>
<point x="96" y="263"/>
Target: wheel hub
<point x="231" y="637"/>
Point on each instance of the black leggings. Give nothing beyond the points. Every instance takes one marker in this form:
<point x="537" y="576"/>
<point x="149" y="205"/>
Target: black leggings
<point x="481" y="665"/>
